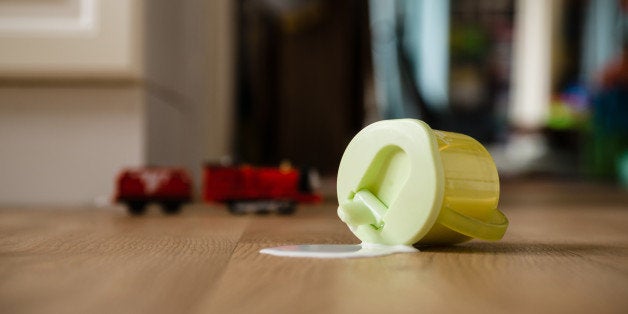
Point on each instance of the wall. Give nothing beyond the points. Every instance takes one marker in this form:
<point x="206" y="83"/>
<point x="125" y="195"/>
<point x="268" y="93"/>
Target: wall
<point x="189" y="65"/>
<point x="62" y="145"/>
<point x="64" y="137"/>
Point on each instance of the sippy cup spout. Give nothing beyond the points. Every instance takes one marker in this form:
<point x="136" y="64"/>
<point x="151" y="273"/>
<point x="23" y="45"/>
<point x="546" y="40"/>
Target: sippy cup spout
<point x="363" y="209"/>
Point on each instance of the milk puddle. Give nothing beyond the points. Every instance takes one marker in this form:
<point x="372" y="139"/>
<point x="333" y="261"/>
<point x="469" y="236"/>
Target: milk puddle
<point x="338" y="250"/>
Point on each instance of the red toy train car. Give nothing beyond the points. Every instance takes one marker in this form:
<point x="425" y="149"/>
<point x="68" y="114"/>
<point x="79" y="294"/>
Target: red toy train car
<point x="170" y="187"/>
<point x="258" y="189"/>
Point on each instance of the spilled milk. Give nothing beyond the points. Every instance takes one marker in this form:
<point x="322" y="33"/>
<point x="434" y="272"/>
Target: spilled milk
<point x="338" y="250"/>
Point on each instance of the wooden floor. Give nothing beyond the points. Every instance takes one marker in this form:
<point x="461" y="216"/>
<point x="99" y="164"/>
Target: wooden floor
<point x="566" y="252"/>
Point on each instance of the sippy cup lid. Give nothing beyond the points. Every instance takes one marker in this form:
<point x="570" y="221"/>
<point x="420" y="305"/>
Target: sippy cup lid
<point x="391" y="182"/>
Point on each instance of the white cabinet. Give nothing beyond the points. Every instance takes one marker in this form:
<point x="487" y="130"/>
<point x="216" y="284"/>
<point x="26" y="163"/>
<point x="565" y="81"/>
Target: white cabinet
<point x="71" y="39"/>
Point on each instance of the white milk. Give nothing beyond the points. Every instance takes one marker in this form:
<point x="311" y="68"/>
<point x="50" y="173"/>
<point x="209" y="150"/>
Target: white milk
<point x="338" y="250"/>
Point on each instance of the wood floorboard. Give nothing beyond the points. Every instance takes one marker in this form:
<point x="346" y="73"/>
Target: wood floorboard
<point x="566" y="251"/>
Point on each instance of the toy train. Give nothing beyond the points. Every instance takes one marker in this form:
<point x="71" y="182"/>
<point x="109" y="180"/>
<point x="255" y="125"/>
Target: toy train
<point x="170" y="187"/>
<point x="245" y="189"/>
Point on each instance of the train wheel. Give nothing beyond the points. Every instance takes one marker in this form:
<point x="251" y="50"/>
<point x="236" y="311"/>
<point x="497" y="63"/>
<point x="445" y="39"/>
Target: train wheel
<point x="171" y="207"/>
<point x="136" y="207"/>
<point x="262" y="211"/>
<point x="234" y="207"/>
<point x="287" y="209"/>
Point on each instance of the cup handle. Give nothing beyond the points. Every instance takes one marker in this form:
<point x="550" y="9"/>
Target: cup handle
<point x="469" y="226"/>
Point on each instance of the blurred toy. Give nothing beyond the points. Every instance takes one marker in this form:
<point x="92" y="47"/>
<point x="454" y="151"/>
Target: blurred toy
<point x="569" y="110"/>
<point x="609" y="129"/>
<point x="170" y="187"/>
<point x="247" y="189"/>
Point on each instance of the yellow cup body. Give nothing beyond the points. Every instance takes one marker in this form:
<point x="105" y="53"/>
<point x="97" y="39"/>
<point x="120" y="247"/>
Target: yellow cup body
<point x="471" y="191"/>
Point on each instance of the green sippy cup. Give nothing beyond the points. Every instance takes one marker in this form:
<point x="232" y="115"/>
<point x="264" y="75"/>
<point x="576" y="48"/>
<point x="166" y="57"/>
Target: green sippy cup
<point x="400" y="182"/>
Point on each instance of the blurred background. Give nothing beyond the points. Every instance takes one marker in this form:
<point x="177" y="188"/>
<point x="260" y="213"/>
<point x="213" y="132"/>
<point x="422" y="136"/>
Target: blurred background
<point x="88" y="87"/>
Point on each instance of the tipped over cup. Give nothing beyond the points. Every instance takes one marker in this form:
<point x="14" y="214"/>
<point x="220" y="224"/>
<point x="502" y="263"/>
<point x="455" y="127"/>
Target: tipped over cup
<point x="401" y="182"/>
